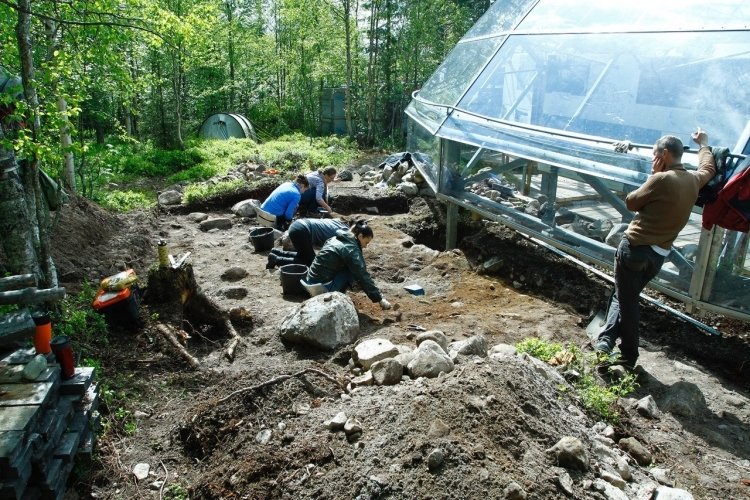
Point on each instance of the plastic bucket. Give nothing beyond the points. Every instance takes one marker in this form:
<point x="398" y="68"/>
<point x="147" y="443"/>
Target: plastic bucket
<point x="291" y="274"/>
<point x="262" y="238"/>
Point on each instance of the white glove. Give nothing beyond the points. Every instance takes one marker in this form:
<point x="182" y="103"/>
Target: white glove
<point x="384" y="304"/>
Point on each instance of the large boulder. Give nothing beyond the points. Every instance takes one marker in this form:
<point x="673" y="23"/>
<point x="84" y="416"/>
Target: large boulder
<point x="245" y="208"/>
<point x="429" y="360"/>
<point x="327" y="321"/>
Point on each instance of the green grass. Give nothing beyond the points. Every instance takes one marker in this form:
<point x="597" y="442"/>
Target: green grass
<point x="127" y="200"/>
<point x="200" y="192"/>
<point x="597" y="398"/>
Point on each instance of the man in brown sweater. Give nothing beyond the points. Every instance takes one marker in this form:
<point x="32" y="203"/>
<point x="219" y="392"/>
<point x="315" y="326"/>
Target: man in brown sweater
<point x="663" y="203"/>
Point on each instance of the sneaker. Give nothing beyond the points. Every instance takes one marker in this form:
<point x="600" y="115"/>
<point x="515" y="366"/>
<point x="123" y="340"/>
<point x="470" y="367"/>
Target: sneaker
<point x="603" y="345"/>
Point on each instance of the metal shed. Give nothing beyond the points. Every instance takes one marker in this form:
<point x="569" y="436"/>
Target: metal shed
<point x="537" y="95"/>
<point x="226" y="125"/>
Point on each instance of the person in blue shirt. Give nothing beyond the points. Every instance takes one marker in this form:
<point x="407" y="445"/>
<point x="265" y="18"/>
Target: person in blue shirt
<point x="283" y="201"/>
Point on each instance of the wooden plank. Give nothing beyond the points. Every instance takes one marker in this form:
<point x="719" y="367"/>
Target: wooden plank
<point x="16" y="326"/>
<point x="32" y="296"/>
<point x="16" y="282"/>
<point x="79" y="383"/>
<point x="25" y="394"/>
<point x="19" y="418"/>
<point x="11" y="445"/>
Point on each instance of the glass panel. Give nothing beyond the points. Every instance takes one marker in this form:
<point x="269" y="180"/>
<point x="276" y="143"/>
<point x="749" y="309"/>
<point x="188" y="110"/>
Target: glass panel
<point x="427" y="115"/>
<point x="458" y="71"/>
<point x="727" y="282"/>
<point x="634" y="87"/>
<point x="427" y="148"/>
<point x="501" y="16"/>
<point x="632" y="15"/>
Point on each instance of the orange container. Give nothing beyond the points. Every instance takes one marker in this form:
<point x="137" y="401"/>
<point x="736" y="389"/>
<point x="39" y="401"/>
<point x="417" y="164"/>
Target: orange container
<point x="42" y="335"/>
<point x="105" y="298"/>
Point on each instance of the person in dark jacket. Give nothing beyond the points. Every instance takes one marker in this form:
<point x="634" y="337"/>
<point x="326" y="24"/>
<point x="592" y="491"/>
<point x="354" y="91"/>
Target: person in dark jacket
<point x="305" y="234"/>
<point x="340" y="263"/>
<point x="283" y="201"/>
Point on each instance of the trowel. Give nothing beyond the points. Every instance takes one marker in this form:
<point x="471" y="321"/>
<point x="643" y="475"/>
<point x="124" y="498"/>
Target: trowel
<point x="596" y="326"/>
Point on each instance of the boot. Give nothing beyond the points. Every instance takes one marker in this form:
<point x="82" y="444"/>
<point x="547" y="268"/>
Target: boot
<point x="272" y="261"/>
<point x="283" y="253"/>
<point x="282" y="261"/>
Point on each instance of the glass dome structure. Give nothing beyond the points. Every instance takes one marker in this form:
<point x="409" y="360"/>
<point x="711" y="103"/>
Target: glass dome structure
<point x="548" y="108"/>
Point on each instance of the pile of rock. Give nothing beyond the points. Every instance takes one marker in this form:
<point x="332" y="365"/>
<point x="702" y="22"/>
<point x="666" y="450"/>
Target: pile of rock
<point x="399" y="171"/>
<point x="46" y="424"/>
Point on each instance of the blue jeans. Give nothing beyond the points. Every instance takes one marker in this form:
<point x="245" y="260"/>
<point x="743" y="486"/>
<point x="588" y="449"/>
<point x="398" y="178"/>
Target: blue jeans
<point x="341" y="282"/>
<point x="635" y="266"/>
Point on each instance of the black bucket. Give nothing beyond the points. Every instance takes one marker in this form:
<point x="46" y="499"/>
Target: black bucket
<point x="262" y="238"/>
<point x="290" y="275"/>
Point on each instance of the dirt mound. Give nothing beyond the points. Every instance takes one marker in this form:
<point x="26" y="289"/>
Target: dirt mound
<point x="490" y="428"/>
<point x="90" y="243"/>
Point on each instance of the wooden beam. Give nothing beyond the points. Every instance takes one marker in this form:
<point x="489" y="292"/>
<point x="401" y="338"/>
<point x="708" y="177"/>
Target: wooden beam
<point x="32" y="296"/>
<point x="16" y="282"/>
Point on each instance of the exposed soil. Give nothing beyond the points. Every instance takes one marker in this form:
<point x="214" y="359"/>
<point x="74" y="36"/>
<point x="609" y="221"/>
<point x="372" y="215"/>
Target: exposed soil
<point x="492" y="419"/>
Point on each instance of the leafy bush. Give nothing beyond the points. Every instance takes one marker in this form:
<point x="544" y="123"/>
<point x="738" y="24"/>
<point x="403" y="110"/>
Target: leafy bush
<point x="125" y="201"/>
<point x="201" y="192"/>
<point x="538" y="348"/>
<point x="77" y="319"/>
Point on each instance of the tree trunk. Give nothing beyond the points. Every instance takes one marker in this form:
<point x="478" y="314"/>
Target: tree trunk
<point x="37" y="208"/>
<point x="348" y="91"/>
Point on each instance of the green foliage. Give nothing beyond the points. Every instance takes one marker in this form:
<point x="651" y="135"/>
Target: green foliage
<point x="538" y="348"/>
<point x="125" y="201"/>
<point x="176" y="492"/>
<point x="597" y="397"/>
<point x="77" y="319"/>
<point x="201" y="192"/>
<point x="297" y="152"/>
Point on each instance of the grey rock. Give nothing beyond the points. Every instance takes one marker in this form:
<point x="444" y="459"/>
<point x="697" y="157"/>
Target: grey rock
<point x="435" y="459"/>
<point x="661" y="476"/>
<point x="263" y="436"/>
<point x="623" y="469"/>
<point x="610" y="492"/>
<point x="514" y="491"/>
<point x="570" y="453"/>
<point x="141" y="470"/>
<point x="614" y="479"/>
<point x="429" y="361"/>
<point x="636" y="450"/>
<point x="234" y="274"/>
<point x="647" y="407"/>
<point x="408" y="188"/>
<point x="352" y="427"/>
<point x="505" y="349"/>
<point x="435" y="335"/>
<point x="363" y="380"/>
<point x="438" y="429"/>
<point x="156" y="485"/>
<point x="245" y="208"/>
<point x="566" y="483"/>
<point x="387" y="372"/>
<point x="474" y="346"/>
<point x="234" y="292"/>
<point x="197" y="217"/>
<point x="170" y="197"/>
<point x="543" y="369"/>
<point x="684" y="399"/>
<point x="615" y="235"/>
<point x="405" y="358"/>
<point x="667" y="493"/>
<point x="326" y="321"/>
<point x="215" y="223"/>
<point x="336" y="423"/>
<point x="371" y="350"/>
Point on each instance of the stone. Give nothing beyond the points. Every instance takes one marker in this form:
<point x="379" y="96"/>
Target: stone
<point x="505" y="349"/>
<point x="566" y="483"/>
<point x="613" y="479"/>
<point x="387" y="372"/>
<point x="429" y="361"/>
<point x="435" y="335"/>
<point x="215" y="223"/>
<point x="661" y="476"/>
<point x="570" y="453"/>
<point x="623" y="469"/>
<point x="245" y="208"/>
<point x="170" y="197"/>
<point x="610" y="492"/>
<point x="197" y="217"/>
<point x="684" y="399"/>
<point x="141" y="470"/>
<point x="235" y="273"/>
<point x="326" y="321"/>
<point x="514" y="491"/>
<point x="438" y="429"/>
<point x="647" y="407"/>
<point x="636" y="450"/>
<point x="543" y="369"/>
<point x="371" y="350"/>
<point x="263" y="436"/>
<point x="473" y="346"/>
<point x="435" y="459"/>
<point x="408" y="188"/>
<point x="614" y="236"/>
<point x="363" y="380"/>
<point x="352" y="427"/>
<point x="337" y="422"/>
<point x="234" y="292"/>
<point x="667" y="493"/>
<point x="156" y="485"/>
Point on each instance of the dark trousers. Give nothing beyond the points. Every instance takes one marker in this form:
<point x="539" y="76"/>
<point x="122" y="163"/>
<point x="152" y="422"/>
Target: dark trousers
<point x="302" y="241"/>
<point x="635" y="266"/>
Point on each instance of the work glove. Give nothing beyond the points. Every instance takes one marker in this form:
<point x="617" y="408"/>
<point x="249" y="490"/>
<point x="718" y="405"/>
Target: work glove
<point x="384" y="304"/>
